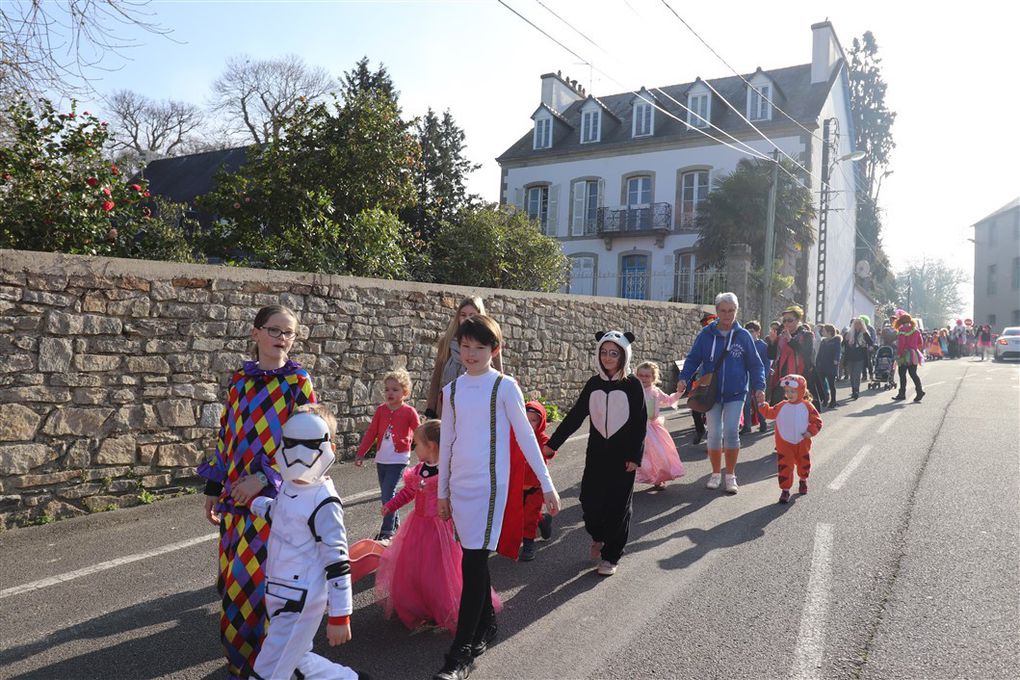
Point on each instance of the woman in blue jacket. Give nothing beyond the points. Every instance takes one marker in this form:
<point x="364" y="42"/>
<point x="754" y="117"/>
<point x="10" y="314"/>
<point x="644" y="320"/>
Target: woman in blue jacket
<point x="741" y="367"/>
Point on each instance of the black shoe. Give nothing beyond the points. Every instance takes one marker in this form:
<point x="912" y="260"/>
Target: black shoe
<point x="745" y="430"/>
<point x="698" y="436"/>
<point x="855" y="396"/>
<point x="481" y="644"/>
<point x="763" y="428"/>
<point x="899" y="397"/>
<point x="527" y="552"/>
<point x="919" y="397"/>
<point x="458" y="666"/>
<point x="545" y="526"/>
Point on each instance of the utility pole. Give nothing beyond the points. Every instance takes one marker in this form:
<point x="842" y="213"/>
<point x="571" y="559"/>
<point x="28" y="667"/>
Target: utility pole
<point x="823" y="218"/>
<point x="770" y="242"/>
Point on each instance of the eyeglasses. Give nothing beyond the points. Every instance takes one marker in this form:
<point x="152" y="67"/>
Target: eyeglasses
<point x="790" y="320"/>
<point x="290" y="443"/>
<point x="275" y="332"/>
<point x="615" y="354"/>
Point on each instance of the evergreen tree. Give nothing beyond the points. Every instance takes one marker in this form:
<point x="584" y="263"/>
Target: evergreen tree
<point x="362" y="79"/>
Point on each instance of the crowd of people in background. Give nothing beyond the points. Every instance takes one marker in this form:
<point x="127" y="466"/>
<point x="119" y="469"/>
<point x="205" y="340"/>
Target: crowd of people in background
<point x="962" y="339"/>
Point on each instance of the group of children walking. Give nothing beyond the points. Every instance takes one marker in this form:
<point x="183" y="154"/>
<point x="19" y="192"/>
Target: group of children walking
<point x="483" y="466"/>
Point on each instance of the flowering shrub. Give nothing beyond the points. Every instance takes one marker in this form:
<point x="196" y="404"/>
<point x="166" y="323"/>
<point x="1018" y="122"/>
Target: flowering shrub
<point x="59" y="193"/>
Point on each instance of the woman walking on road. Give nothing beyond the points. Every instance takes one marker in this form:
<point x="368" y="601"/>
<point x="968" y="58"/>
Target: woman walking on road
<point x="726" y="350"/>
<point x="909" y="356"/>
<point x="858" y="348"/>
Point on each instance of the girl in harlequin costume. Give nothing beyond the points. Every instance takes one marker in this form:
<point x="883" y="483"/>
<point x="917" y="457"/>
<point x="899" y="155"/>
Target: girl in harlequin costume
<point x="261" y="397"/>
<point x="909" y="355"/>
<point x="476" y="481"/>
<point x="797" y="422"/>
<point x="308" y="571"/>
<point x="419" y="576"/>
<point x="614" y="402"/>
<point x="661" y="462"/>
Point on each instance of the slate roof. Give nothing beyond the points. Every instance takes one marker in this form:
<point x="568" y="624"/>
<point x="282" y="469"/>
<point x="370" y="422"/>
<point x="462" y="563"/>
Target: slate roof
<point x="184" y="178"/>
<point x="796" y="95"/>
<point x="1012" y="205"/>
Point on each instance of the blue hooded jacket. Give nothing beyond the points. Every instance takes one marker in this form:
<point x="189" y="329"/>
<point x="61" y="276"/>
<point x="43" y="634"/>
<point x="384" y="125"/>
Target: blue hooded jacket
<point x="743" y="364"/>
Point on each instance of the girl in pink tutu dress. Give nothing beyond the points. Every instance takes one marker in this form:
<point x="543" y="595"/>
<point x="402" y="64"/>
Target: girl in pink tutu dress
<point x="424" y="547"/>
<point x="661" y="461"/>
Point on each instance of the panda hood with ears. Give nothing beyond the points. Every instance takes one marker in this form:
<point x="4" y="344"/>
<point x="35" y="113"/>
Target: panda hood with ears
<point x="618" y="338"/>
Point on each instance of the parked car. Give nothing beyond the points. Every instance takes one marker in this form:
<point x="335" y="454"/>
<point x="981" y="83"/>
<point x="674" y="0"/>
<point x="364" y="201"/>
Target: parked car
<point x="1007" y="345"/>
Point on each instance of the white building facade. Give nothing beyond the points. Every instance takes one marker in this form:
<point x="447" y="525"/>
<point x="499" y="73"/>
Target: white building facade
<point x="619" y="180"/>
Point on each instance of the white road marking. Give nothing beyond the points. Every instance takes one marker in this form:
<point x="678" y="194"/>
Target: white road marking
<point x="941" y="382"/>
<point x="103" y="566"/>
<point x="888" y="422"/>
<point x="840" y="480"/>
<point x="807" y="654"/>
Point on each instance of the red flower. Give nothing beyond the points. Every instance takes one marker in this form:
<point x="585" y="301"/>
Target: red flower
<point x="106" y="190"/>
<point x="136" y="187"/>
<point x="114" y="170"/>
<point x="92" y="181"/>
<point x="236" y="205"/>
<point x="108" y="205"/>
<point x="8" y="178"/>
<point x="146" y="194"/>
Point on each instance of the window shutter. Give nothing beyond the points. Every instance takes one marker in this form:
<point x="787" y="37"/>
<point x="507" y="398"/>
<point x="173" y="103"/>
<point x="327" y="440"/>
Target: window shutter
<point x="578" y="208"/>
<point x="519" y="198"/>
<point x="552" y="218"/>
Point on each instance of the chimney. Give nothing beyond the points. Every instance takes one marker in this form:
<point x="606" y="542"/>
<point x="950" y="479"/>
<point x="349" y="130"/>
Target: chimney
<point x="557" y="92"/>
<point x="825" y="52"/>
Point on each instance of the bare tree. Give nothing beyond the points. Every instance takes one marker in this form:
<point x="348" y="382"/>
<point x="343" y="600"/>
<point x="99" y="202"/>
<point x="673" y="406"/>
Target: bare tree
<point x="148" y="129"/>
<point x="58" y="45"/>
<point x="257" y="96"/>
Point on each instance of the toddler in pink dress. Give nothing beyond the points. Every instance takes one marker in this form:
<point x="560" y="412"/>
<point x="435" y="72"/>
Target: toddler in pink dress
<point x="419" y="576"/>
<point x="661" y="461"/>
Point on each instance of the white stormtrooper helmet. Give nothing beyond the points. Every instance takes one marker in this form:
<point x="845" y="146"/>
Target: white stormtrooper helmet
<point x="307" y="451"/>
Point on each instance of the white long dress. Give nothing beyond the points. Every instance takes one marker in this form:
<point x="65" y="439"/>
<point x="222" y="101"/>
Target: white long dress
<point x="474" y="453"/>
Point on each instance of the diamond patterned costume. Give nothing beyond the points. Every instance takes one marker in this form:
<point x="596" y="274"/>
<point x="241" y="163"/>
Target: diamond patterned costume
<point x="258" y="404"/>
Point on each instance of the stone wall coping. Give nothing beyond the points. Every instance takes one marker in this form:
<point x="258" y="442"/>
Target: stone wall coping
<point x="61" y="264"/>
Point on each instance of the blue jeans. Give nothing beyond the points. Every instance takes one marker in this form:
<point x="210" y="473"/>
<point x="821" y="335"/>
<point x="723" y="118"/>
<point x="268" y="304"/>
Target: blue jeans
<point x="723" y="423"/>
<point x="389" y="475"/>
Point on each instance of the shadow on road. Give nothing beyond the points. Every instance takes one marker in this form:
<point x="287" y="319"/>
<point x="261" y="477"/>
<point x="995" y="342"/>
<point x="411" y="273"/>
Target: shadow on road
<point x="883" y="407"/>
<point x="747" y="527"/>
<point x="192" y="639"/>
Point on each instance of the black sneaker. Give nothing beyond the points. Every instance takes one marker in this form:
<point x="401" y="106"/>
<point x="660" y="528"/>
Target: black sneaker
<point x="481" y="644"/>
<point x="698" y="436"/>
<point x="458" y="666"/>
<point x="899" y="397"/>
<point x="545" y="527"/>
<point x="527" y="552"/>
<point x="919" y="397"/>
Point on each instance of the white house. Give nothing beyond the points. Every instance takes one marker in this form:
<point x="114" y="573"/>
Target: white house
<point x="619" y="181"/>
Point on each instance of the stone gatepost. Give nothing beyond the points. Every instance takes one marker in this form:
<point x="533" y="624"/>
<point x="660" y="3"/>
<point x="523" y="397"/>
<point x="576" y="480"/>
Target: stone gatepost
<point x="738" y="269"/>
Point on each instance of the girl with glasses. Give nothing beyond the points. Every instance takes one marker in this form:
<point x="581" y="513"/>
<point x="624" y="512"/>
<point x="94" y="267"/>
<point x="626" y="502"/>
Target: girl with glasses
<point x="243" y="467"/>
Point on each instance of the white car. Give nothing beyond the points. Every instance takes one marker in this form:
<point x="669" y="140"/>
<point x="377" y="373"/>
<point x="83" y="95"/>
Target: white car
<point x="1007" y="345"/>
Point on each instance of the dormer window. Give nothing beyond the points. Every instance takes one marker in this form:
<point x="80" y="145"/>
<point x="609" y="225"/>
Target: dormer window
<point x="644" y="118"/>
<point x="699" y="109"/>
<point x="758" y="97"/>
<point x="591" y="124"/>
<point x="543" y="132"/>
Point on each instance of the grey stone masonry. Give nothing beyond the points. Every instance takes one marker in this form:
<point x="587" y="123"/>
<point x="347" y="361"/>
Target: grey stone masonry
<point x="113" y="372"/>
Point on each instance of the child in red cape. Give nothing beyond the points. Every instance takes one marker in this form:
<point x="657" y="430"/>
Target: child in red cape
<point x="533" y="520"/>
<point x="797" y="421"/>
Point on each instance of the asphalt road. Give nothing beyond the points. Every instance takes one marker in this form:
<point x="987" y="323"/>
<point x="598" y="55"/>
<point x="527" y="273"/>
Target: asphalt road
<point x="903" y="561"/>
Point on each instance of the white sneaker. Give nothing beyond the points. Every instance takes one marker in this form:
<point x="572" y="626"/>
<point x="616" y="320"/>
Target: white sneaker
<point x="714" y="480"/>
<point x="606" y="568"/>
<point x="731" y="484"/>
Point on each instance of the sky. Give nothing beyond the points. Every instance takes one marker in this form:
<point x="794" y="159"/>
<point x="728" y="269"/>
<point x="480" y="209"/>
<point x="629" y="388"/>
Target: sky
<point x="951" y="76"/>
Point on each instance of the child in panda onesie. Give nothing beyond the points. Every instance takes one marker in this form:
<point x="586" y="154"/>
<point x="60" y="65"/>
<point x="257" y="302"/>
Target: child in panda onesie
<point x="614" y="400"/>
<point x="308" y="570"/>
<point x="797" y="421"/>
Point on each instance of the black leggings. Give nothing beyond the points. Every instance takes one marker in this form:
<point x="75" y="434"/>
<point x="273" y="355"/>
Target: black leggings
<point x="912" y="369"/>
<point x="475" y="611"/>
<point x="827" y="385"/>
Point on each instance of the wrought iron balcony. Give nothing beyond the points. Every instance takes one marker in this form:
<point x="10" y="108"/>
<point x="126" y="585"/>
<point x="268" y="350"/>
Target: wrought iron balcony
<point x="656" y="218"/>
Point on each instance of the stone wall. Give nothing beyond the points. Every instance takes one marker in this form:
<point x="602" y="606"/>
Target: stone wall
<point x="112" y="372"/>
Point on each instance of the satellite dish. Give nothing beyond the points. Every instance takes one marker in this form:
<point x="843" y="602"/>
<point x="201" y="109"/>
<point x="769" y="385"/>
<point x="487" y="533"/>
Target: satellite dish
<point x="863" y="269"/>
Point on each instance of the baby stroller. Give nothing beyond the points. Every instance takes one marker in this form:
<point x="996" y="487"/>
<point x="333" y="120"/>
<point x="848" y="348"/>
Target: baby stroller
<point x="884" y="375"/>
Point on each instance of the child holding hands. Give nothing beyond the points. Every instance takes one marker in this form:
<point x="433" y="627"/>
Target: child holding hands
<point x="797" y="421"/>
<point x="391" y="430"/>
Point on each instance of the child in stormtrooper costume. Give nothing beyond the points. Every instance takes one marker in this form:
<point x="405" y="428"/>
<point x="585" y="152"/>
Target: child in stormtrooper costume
<point x="308" y="569"/>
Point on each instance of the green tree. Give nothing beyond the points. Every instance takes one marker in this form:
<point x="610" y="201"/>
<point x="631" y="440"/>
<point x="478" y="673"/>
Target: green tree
<point x="362" y="78"/>
<point x="310" y="199"/>
<point x="931" y="290"/>
<point x="497" y="247"/>
<point x="61" y="194"/>
<point x="440" y="180"/>
<point x="736" y="212"/>
<point x="872" y="126"/>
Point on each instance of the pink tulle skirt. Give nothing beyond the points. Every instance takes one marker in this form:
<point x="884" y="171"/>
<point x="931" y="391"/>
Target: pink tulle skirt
<point x="661" y="461"/>
<point x="419" y="577"/>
